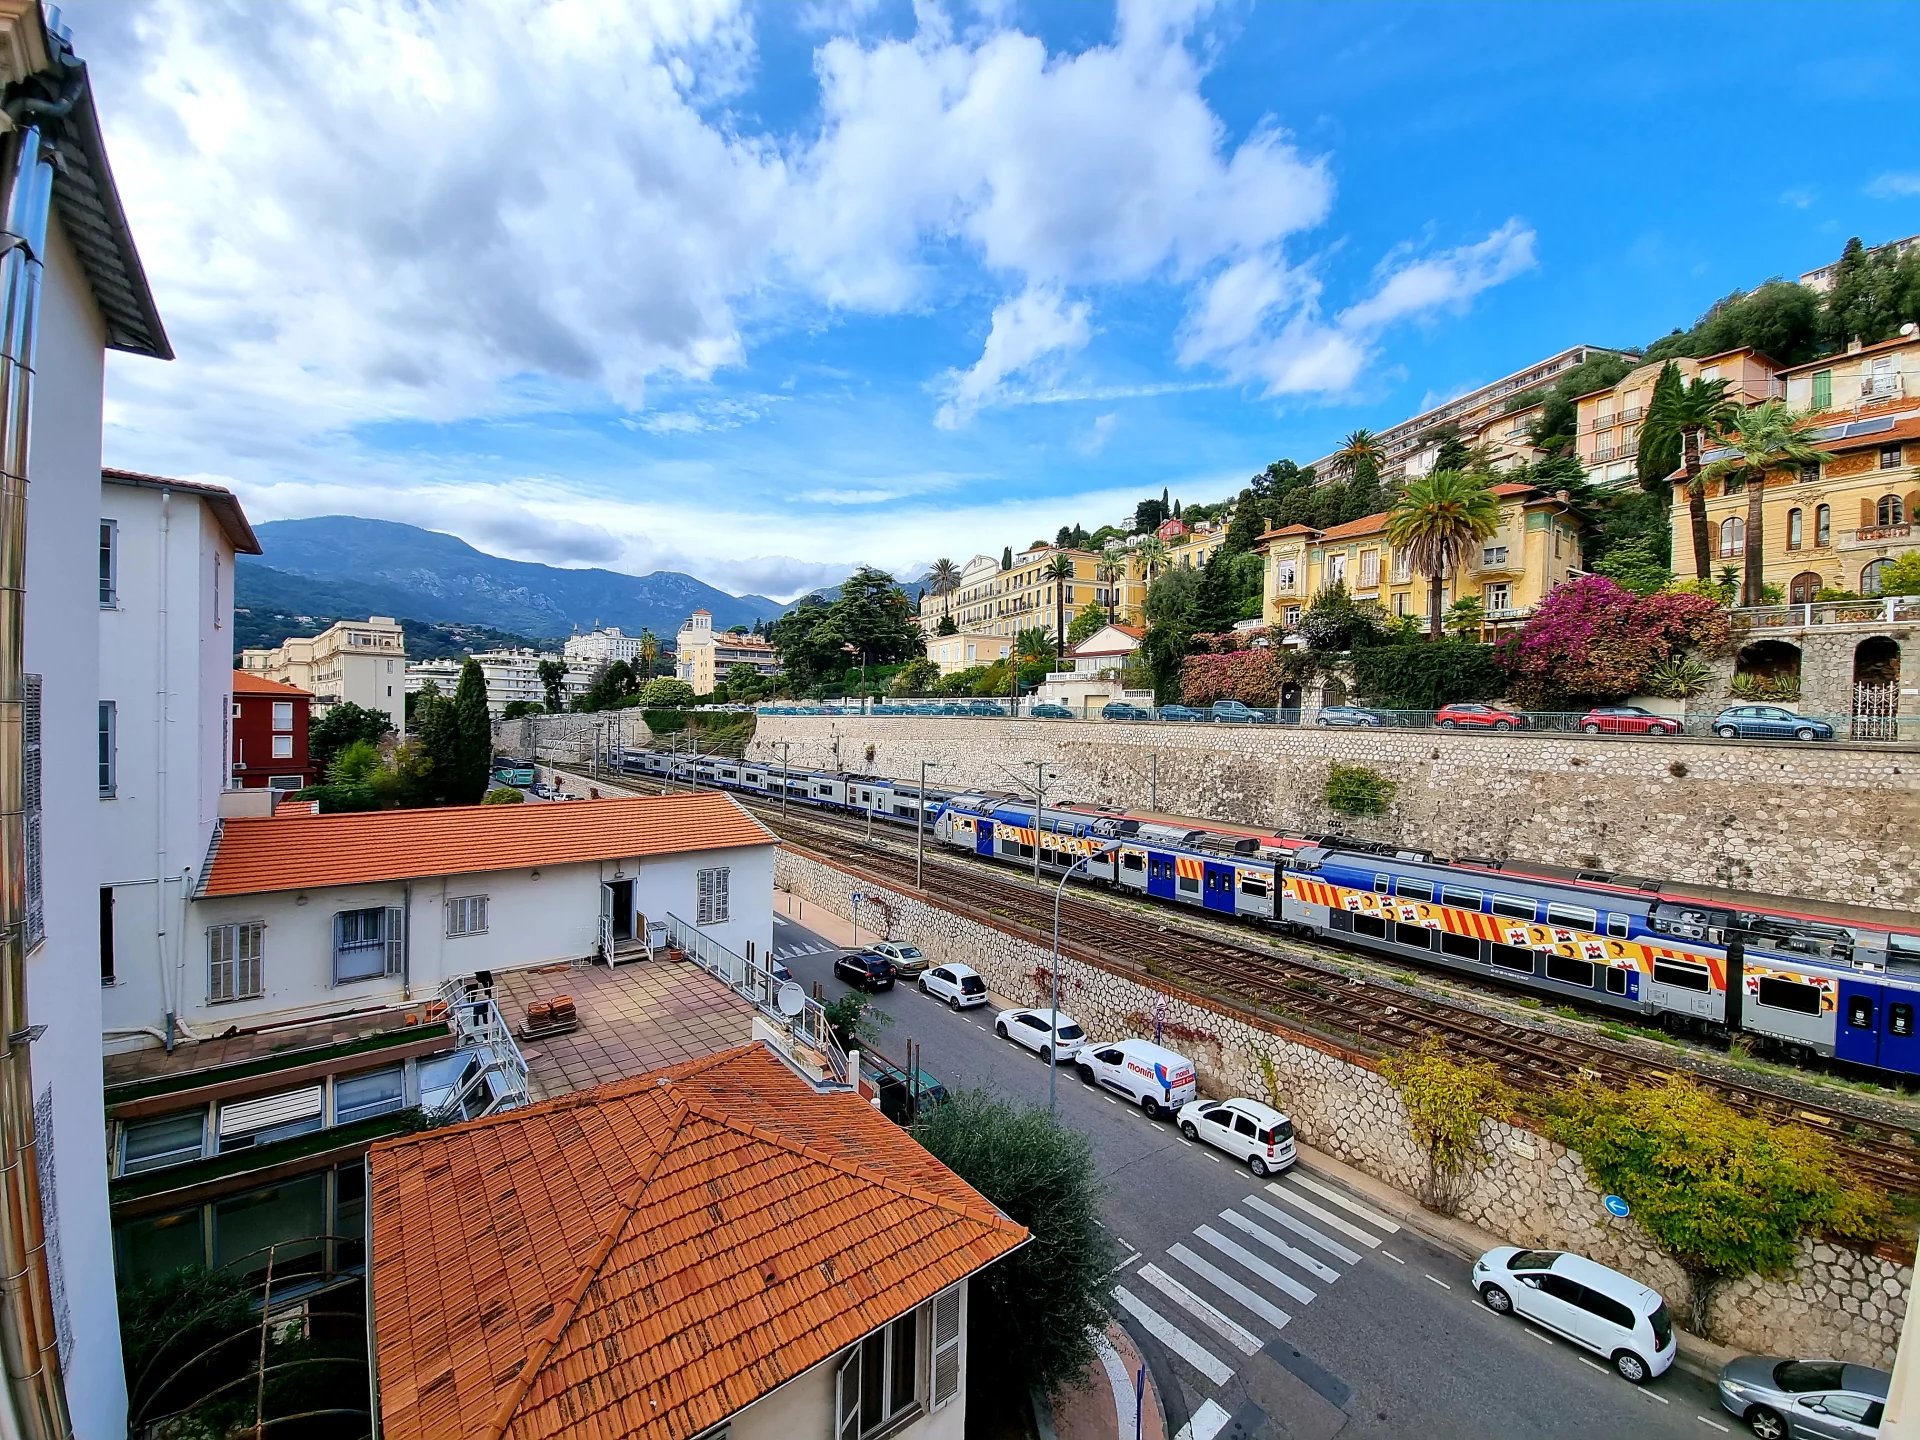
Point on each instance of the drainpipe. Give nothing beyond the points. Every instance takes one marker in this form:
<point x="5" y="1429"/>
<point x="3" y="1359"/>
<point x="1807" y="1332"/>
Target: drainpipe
<point x="29" y="1342"/>
<point x="406" y="941"/>
<point x="160" y="727"/>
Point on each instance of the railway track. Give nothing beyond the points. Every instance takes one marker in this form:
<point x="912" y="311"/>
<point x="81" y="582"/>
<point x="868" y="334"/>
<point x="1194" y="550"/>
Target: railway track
<point x="1287" y="983"/>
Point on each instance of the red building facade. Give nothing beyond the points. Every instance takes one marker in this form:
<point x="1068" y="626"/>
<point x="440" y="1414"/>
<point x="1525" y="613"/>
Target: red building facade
<point x="270" y="734"/>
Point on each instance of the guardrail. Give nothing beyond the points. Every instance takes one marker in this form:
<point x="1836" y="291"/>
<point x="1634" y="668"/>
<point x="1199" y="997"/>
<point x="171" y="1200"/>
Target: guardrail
<point x="1875" y="610"/>
<point x="482" y="1033"/>
<point x="754" y="983"/>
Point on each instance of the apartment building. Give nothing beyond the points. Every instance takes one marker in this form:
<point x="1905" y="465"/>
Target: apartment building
<point x="1610" y="420"/>
<point x="992" y="601"/>
<point x="1536" y="548"/>
<point x="1191" y="546"/>
<point x="703" y="656"/>
<point x="363" y="662"/>
<point x="1822" y="279"/>
<point x="965" y="650"/>
<point x="599" y="647"/>
<point x="1834" y="526"/>
<point x="443" y="673"/>
<point x="270" y="735"/>
<point x="514" y="675"/>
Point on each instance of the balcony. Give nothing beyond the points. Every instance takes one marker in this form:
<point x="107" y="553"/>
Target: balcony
<point x="1880" y="611"/>
<point x="1873" y="535"/>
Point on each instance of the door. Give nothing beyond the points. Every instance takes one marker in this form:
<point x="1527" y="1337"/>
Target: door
<point x="1840" y="1416"/>
<point x="1899" y="1050"/>
<point x="1217" y="889"/>
<point x="1548" y="1299"/>
<point x="1160" y="875"/>
<point x="606" y="919"/>
<point x="1856" y="1035"/>
<point x="1804" y="587"/>
<point x="618" y="903"/>
<point x="1216" y="1126"/>
<point x="983" y="836"/>
<point x="1246" y="1136"/>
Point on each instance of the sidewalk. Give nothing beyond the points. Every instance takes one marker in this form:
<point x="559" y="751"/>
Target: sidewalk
<point x="1101" y="1405"/>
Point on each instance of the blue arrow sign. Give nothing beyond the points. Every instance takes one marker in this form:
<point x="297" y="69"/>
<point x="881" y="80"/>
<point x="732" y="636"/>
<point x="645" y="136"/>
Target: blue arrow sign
<point x="1616" y="1207"/>
<point x="857" y="897"/>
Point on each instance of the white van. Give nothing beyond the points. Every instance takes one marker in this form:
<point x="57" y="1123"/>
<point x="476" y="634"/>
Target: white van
<point x="1150" y="1075"/>
<point x="1609" y="1313"/>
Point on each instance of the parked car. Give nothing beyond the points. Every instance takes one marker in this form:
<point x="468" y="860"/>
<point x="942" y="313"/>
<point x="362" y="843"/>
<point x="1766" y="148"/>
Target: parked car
<point x="1483" y="717"/>
<point x="1600" y="1309"/>
<point x="540" y="790"/>
<point x="1051" y="712"/>
<point x="1768" y="722"/>
<point x="1628" y="720"/>
<point x="985" y="707"/>
<point x="1121" y="710"/>
<point x="904" y="1096"/>
<point x="1181" y="712"/>
<point x="1232" y="712"/>
<point x="907" y="959"/>
<point x="1349" y="715"/>
<point x="1259" y="1136"/>
<point x="1051" y="1034"/>
<point x="865" y="970"/>
<point x="1786" y="1399"/>
<point x="1151" y="1076"/>
<point x="959" y="985"/>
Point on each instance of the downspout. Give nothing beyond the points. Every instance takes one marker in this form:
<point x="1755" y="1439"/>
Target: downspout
<point x="29" y="1340"/>
<point x="161" y="697"/>
<point x="406" y="941"/>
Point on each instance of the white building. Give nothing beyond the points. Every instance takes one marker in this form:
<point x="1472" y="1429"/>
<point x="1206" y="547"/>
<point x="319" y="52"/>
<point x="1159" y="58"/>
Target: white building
<point x="513" y="675"/>
<point x="601" y="647"/>
<point x="442" y="673"/>
<point x="362" y="662"/>
<point x="93" y="297"/>
<point x="165" y="685"/>
<point x="1092" y="676"/>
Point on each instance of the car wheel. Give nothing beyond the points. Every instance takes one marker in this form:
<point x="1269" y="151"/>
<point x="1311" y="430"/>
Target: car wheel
<point x="1446" y="724"/>
<point x="1725" y="732"/>
<point x="1766" y="1423"/>
<point x="1631" y="1367"/>
<point x="1661" y="730"/>
<point x="1152" y="1107"/>
<point x="1503" y="724"/>
<point x="1496" y="1299"/>
<point x="1001" y="1031"/>
<point x="1086" y="1074"/>
<point x="1591" y="729"/>
<point x="953" y="1002"/>
<point x="923" y="986"/>
<point x="1805" y="732"/>
<point x="1189" y="1129"/>
<point x="1323" y="722"/>
<point x="1257" y="1165"/>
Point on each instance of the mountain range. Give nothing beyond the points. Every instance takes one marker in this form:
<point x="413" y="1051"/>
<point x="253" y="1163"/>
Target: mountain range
<point x="337" y="566"/>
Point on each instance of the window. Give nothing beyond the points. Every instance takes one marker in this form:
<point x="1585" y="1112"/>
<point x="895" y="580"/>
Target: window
<point x="1383" y="884"/>
<point x="1733" y="537"/>
<point x="1462" y="899"/>
<point x="1606" y="1307"/>
<point x="1900" y="1019"/>
<point x="1709" y="372"/>
<point x="1293" y="615"/>
<point x="109" y="758"/>
<point x="1402" y="567"/>
<point x="1889" y="510"/>
<point x="1890" y="458"/>
<point x="1682" y="975"/>
<point x="106" y="935"/>
<point x="1188" y="885"/>
<point x="1570" y="972"/>
<point x="1789" y="995"/>
<point x="1369" y="569"/>
<point x="165" y="1140"/>
<point x="1616" y="981"/>
<point x="1859" y="1013"/>
<point x="366" y="943"/>
<point x="1415" y="889"/>
<point x="109" y="564"/>
<point x="1492" y="556"/>
<point x="1460" y="947"/>
<point x="1510" y="957"/>
<point x="1417" y="937"/>
<point x="1871" y="576"/>
<point x="1574" y="917"/>
<point x="1400" y="602"/>
<point x="878" y="1380"/>
<point x="1373" y="925"/>
<point x="1823" y="525"/>
<point x="1495" y="598"/>
<point x="283" y="747"/>
<point x="1515" y="907"/>
<point x="247" y="1123"/>
<point x="283" y="715"/>
<point x="1283" y="576"/>
<point x="1132" y="860"/>
<point x="370" y="1093"/>
<point x="234" y="954"/>
<point x="246" y="1227"/>
<point x="1823" y="390"/>
<point x="466" y="915"/>
<point x="1809" y="474"/>
<point x="1255" y="885"/>
<point x="1617" y="926"/>
<point x="1793" y="529"/>
<point x="288" y="783"/>
<point x="712" y="889"/>
<point x="1243" y="1125"/>
<point x="1336" y="569"/>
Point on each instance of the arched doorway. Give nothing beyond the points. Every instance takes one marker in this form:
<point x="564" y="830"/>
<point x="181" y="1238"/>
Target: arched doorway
<point x="1333" y="691"/>
<point x="1767" y="670"/>
<point x="1803" y="587"/>
<point x="1876" y="688"/>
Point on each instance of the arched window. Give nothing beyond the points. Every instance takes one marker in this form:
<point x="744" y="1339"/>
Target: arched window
<point x="1890" y="511"/>
<point x="1870" y="576"/>
<point x="1733" y="537"/>
<point x="1793" y="529"/>
<point x="1823" y="525"/>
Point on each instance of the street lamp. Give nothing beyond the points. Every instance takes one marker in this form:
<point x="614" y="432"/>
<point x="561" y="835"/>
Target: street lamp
<point x="783" y="779"/>
<point x="920" y="826"/>
<point x="1053" y="1014"/>
<point x="1039" y="804"/>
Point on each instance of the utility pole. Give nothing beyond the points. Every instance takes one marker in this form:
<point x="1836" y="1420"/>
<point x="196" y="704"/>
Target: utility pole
<point x="920" y="829"/>
<point x="1153" y="782"/>
<point x="1053" y="1014"/>
<point x="1039" y="803"/>
<point x="783" y="778"/>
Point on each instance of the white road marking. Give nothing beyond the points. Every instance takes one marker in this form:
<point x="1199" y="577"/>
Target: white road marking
<point x="1661" y="1398"/>
<point x="1110" y="1100"/>
<point x="1365" y="1212"/>
<point x="1273" y="1242"/>
<point x="1393" y="1257"/>
<point x="1208" y="1421"/>
<point x="1595" y="1364"/>
<point x="1279" y="1279"/>
<point x="1227" y="1285"/>
<point x="1119" y="1382"/>
<point x="1305" y="1231"/>
<point x="1325" y="1217"/>
<point x="1173" y="1337"/>
<point x="781" y="920"/>
<point x="1715" y="1423"/>
<point x="1543" y="1339"/>
<point x="1241" y="1339"/>
<point x="1441" y="1283"/>
<point x="1216" y="1159"/>
<point x="1123" y="1264"/>
<point x="1186" y="1142"/>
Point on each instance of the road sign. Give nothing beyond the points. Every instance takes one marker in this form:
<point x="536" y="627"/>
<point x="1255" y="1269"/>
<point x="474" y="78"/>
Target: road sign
<point x="858" y="897"/>
<point x="1616" y="1207"/>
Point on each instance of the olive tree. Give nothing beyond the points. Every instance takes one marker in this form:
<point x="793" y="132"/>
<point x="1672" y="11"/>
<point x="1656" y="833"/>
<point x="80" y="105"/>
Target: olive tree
<point x="1449" y="1100"/>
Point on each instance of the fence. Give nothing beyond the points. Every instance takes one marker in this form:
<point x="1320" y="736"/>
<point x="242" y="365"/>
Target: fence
<point x="1877" y="610"/>
<point x="808" y="1028"/>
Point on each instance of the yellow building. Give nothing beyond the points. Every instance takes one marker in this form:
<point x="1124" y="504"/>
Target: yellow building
<point x="1609" y="421"/>
<point x="1190" y="548"/>
<point x="1536" y="548"/>
<point x="1832" y="526"/>
<point x="992" y="601"/>
<point x="953" y="653"/>
<point x="703" y="656"/>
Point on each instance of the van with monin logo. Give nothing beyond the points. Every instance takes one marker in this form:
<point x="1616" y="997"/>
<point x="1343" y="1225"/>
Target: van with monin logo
<point x="1151" y="1076"/>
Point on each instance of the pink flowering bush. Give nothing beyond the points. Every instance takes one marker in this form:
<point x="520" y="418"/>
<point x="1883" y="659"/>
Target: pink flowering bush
<point x="1249" y="676"/>
<point x="1592" y="639"/>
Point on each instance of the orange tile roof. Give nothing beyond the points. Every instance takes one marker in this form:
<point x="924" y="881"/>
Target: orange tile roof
<point x="295" y="809"/>
<point x="245" y="682"/>
<point x="1288" y="530"/>
<point x="253" y="855"/>
<point x="647" y="1258"/>
<point x="1365" y="525"/>
<point x="1892" y="343"/>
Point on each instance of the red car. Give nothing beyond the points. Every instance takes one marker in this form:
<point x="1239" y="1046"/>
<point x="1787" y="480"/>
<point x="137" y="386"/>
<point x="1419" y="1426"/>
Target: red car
<point x="1478" y="717"/>
<point x="1627" y="720"/>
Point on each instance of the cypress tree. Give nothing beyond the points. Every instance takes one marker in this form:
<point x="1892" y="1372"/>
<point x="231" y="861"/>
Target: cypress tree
<point x="472" y="738"/>
<point x="1006" y="558"/>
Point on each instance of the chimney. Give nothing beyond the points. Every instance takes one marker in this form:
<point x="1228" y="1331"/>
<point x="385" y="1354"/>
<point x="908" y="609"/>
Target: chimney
<point x="1854" y="345"/>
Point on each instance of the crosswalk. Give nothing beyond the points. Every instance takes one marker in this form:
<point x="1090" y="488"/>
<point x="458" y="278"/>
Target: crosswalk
<point x="805" y="947"/>
<point x="1217" y="1298"/>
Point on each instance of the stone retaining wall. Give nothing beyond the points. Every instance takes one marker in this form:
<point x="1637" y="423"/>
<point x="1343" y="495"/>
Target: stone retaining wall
<point x="1533" y="1191"/>
<point x="1822" y="822"/>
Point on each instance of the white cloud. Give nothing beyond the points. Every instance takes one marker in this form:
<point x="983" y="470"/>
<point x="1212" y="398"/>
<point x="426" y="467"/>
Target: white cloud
<point x="1094" y="440"/>
<point x="1447" y="281"/>
<point x="1026" y="330"/>
<point x="1894" y="185"/>
<point x="1800" y="197"/>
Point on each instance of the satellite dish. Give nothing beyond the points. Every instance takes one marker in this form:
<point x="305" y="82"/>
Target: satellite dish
<point x="790" y="999"/>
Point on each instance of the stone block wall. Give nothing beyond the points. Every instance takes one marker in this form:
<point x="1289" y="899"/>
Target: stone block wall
<point x="1823" y="822"/>
<point x="1533" y="1192"/>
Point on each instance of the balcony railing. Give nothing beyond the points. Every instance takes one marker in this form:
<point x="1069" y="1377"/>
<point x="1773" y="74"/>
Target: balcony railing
<point x="495" y="1075"/>
<point x="807" y="1028"/>
<point x="1869" y="534"/>
<point x="1881" y="611"/>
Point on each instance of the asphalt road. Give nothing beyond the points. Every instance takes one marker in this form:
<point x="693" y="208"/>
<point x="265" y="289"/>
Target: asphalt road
<point x="1288" y="1307"/>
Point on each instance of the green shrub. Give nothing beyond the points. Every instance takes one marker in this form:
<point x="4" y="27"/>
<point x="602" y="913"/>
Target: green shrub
<point x="1677" y="677"/>
<point x="1358" y="790"/>
<point x="503" y="795"/>
<point x="1424" y="675"/>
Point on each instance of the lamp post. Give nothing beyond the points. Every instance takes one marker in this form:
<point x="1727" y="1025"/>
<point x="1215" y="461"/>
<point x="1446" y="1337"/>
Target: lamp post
<point x="783" y="778"/>
<point x="1039" y="804"/>
<point x="920" y="827"/>
<point x="1053" y="1013"/>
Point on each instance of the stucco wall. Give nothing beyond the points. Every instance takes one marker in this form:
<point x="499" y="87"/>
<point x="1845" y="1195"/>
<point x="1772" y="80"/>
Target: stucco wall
<point x="1832" y="823"/>
<point x="1533" y="1191"/>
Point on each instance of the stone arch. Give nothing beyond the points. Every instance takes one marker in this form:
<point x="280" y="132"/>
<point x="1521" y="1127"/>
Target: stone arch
<point x="1776" y="662"/>
<point x="1804" y="586"/>
<point x="1333" y="691"/>
<point x="1876" y="661"/>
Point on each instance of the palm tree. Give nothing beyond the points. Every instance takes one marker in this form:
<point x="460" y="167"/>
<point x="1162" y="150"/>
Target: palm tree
<point x="1766" y="438"/>
<point x="1436" y="523"/>
<point x="1108" y="572"/>
<point x="1687" y="412"/>
<point x="1152" y="553"/>
<point x="1059" y="570"/>
<point x="649" y="653"/>
<point x="943" y="580"/>
<point x="1361" y="453"/>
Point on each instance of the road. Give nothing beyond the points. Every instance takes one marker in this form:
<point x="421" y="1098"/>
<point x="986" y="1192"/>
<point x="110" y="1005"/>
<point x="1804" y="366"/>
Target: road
<point x="1288" y="1307"/>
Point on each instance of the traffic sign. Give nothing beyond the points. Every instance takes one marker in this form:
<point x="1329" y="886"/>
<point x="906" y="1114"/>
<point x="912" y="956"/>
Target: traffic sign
<point x="1616" y="1207"/>
<point x="858" y="897"/>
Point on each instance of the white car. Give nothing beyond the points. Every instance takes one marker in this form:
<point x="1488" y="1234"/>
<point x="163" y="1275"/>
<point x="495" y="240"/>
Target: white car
<point x="1151" y="1076"/>
<point x="1053" y="1035"/>
<point x="907" y="959"/>
<point x="1609" y="1313"/>
<point x="959" y="985"/>
<point x="1257" y="1135"/>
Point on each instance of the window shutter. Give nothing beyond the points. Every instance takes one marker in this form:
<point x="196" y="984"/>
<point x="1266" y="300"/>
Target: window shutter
<point x="249" y="952"/>
<point x="396" y="939"/>
<point x="219" y="963"/>
<point x="720" y="894"/>
<point x="846" y="1397"/>
<point x="946" y="1346"/>
<point x="36" y="916"/>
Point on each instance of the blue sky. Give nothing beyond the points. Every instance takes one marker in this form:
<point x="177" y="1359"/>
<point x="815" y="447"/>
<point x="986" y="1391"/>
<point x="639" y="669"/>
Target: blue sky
<point x="763" y="292"/>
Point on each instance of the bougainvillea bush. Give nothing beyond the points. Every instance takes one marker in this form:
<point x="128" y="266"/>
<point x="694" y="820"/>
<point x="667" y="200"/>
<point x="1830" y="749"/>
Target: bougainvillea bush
<point x="1250" y="676"/>
<point x="1594" y="640"/>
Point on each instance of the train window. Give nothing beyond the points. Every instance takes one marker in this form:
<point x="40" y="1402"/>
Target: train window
<point x="1130" y="861"/>
<point x="1418" y="936"/>
<point x="1513" y="905"/>
<point x="1339" y="920"/>
<point x="1510" y="957"/>
<point x="1616" y="981"/>
<point x="1253" y="884"/>
<point x="1576" y="917"/>
<point x="1370" y="925"/>
<point x="1570" y="972"/>
<point x="1900" y="1019"/>
<point x="1461" y="947"/>
<point x="1682" y="976"/>
<point x="1189" y="885"/>
<point x="1416" y="889"/>
<point x="1383" y="884"/>
<point x="1860" y="1013"/>
<point x="1617" y="924"/>
<point x="1789" y="995"/>
<point x="1465" y="899"/>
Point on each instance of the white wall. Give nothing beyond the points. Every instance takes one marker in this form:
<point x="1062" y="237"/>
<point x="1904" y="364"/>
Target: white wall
<point x="63" y="990"/>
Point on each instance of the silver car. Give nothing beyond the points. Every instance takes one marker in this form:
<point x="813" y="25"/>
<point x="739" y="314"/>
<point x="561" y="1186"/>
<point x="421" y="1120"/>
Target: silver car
<point x="1788" y="1399"/>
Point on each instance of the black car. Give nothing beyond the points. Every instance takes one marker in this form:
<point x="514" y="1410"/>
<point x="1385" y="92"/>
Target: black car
<point x="985" y="707"/>
<point x="1121" y="710"/>
<point x="865" y="971"/>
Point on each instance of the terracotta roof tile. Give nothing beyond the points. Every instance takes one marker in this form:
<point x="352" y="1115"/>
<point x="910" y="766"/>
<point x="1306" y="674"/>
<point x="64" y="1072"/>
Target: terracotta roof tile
<point x="1893" y="343"/>
<point x="645" y="1259"/>
<point x="245" y="682"/>
<point x="1365" y="525"/>
<point x="253" y="855"/>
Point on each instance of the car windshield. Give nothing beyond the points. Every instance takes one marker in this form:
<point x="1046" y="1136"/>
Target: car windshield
<point x="1796" y="1377"/>
<point x="1274" y="1134"/>
<point x="1071" y="1031"/>
<point x="1533" y="1260"/>
<point x="972" y="985"/>
<point x="906" y="952"/>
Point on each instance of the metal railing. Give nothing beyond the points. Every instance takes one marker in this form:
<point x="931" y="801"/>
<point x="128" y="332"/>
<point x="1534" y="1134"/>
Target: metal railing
<point x="808" y="1028"/>
<point x="483" y="1033"/>
<point x="1874" y="610"/>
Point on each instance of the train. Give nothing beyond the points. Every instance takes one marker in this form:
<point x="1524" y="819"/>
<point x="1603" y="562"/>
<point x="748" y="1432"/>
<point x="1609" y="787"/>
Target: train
<point x="1804" y="979"/>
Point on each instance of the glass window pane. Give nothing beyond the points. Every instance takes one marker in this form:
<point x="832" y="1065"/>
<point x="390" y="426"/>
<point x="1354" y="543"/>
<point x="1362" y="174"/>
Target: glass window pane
<point x="906" y="1354"/>
<point x="350" y="1215"/>
<point x="289" y="1217"/>
<point x="157" y="1244"/>
<point x="149" y="1144"/>
<point x="375" y="1092"/>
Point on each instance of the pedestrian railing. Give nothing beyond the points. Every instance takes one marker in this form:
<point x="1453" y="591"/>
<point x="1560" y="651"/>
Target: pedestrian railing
<point x="807" y="1026"/>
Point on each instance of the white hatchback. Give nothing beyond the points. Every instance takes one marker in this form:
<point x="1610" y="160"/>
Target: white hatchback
<point x="1257" y="1135"/>
<point x="959" y="985"/>
<point x="1053" y="1035"/>
<point x="1609" y="1313"/>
